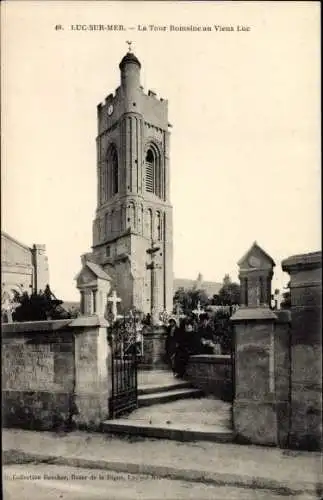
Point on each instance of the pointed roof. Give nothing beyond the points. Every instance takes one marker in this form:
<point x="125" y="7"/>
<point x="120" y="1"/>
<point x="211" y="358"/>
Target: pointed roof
<point x="129" y="58"/>
<point x="253" y="247"/>
<point x="7" y="236"/>
<point x="96" y="269"/>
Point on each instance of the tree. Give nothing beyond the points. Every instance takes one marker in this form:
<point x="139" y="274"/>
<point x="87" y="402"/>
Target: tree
<point x="39" y="306"/>
<point x="227" y="280"/>
<point x="223" y="329"/>
<point x="74" y="311"/>
<point x="188" y="299"/>
<point x="229" y="294"/>
<point x="215" y="301"/>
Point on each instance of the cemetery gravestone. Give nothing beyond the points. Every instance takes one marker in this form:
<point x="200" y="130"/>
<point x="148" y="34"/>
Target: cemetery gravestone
<point x="94" y="285"/>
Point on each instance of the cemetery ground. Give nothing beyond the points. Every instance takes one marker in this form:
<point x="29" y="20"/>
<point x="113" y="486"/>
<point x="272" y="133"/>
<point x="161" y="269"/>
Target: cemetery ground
<point x="134" y="467"/>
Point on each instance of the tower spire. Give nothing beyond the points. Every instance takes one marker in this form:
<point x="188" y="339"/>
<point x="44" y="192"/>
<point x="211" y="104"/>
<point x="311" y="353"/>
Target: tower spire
<point x="130" y="70"/>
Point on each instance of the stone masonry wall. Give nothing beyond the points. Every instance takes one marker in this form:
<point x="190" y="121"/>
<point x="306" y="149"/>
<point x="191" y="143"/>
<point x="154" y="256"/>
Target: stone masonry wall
<point x="37" y="377"/>
<point x="56" y="374"/>
<point x="211" y="373"/>
<point x="282" y="372"/>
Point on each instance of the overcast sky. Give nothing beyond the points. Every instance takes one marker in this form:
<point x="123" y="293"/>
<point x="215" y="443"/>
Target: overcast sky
<point x="245" y="110"/>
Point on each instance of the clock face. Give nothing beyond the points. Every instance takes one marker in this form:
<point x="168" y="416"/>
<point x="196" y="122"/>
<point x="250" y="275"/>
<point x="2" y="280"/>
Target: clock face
<point x="254" y="261"/>
<point x="110" y="110"/>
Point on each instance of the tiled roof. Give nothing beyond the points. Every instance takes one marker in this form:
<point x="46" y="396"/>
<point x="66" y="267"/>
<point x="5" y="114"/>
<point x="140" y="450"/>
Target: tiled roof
<point x="98" y="271"/>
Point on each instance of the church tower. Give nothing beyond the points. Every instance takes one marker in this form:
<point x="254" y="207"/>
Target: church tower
<point x="133" y="200"/>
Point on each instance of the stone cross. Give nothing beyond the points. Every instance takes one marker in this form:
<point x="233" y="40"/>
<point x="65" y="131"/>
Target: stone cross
<point x="8" y="306"/>
<point x="277" y="299"/>
<point x="114" y="299"/>
<point x="154" y="286"/>
<point x="164" y="316"/>
<point x="198" y="311"/>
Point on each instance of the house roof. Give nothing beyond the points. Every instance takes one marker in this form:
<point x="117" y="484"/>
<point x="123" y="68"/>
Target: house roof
<point x="253" y="247"/>
<point x="210" y="287"/>
<point x="7" y="236"/>
<point x="96" y="269"/>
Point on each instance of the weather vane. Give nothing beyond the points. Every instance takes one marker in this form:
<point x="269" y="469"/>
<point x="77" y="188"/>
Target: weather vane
<point x="129" y="46"/>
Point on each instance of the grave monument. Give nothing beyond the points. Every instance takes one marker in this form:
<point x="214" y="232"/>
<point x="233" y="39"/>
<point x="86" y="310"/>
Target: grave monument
<point x="254" y="405"/>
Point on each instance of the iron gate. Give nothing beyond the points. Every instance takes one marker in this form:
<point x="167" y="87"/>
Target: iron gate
<point x="125" y="351"/>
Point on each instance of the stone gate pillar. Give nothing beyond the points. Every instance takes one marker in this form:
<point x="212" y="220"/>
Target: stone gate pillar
<point x="254" y="411"/>
<point x="92" y="353"/>
<point x="92" y="358"/>
<point x="305" y="350"/>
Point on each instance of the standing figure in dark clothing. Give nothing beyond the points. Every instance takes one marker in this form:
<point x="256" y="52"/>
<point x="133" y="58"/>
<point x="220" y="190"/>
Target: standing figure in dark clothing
<point x="170" y="340"/>
<point x="184" y="342"/>
<point x="205" y="336"/>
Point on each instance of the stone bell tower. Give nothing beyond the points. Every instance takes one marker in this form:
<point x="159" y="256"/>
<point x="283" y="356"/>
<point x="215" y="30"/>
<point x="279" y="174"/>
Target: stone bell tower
<point x="133" y="200"/>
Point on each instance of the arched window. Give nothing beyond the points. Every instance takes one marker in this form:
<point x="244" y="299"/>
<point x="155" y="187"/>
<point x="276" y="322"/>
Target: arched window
<point x="158" y="230"/>
<point x="113" y="221"/>
<point x="104" y="182"/>
<point x="109" y="228"/>
<point x="150" y="171"/>
<point x="141" y="219"/>
<point x="153" y="171"/>
<point x="101" y="173"/>
<point x="123" y="224"/>
<point x="99" y="229"/>
<point x="149" y="223"/>
<point x="131" y="215"/>
<point x="113" y="171"/>
<point x="106" y="225"/>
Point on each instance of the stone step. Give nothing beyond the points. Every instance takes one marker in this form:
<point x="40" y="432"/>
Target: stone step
<point x="166" y="397"/>
<point x="176" y="432"/>
<point x="151" y="389"/>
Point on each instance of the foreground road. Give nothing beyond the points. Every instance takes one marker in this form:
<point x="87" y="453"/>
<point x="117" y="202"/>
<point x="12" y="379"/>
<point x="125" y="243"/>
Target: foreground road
<point x="49" y="482"/>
